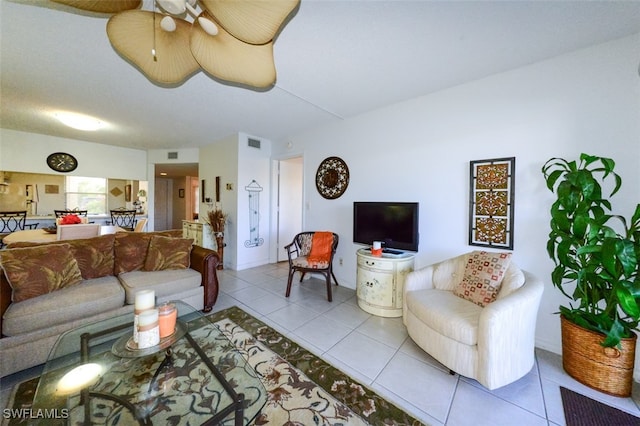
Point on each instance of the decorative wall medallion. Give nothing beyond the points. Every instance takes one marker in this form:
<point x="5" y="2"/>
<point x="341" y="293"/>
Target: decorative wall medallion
<point x="332" y="177"/>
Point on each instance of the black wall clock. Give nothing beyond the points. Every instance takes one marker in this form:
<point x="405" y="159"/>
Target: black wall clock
<point x="62" y="162"/>
<point x="332" y="177"/>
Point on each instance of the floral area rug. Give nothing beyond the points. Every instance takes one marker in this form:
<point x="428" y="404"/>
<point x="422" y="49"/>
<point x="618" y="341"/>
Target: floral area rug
<point x="302" y="389"/>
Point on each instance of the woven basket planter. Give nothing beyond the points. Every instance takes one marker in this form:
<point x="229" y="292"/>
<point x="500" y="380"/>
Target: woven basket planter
<point x="609" y="370"/>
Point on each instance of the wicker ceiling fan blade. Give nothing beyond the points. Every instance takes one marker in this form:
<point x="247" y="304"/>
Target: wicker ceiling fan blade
<point x="252" y="21"/>
<point x="131" y="34"/>
<point x="230" y="59"/>
<point x="102" y="6"/>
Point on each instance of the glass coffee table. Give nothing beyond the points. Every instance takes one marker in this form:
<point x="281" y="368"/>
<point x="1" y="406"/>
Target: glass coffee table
<point x="195" y="376"/>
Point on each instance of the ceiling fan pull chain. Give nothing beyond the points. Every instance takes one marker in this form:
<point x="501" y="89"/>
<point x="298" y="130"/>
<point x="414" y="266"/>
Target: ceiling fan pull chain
<point x="153" y="49"/>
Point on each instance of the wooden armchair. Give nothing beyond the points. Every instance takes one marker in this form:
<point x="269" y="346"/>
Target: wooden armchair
<point x="299" y="251"/>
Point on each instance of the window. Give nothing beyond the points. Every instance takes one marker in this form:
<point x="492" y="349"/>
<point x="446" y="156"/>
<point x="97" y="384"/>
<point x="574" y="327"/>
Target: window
<point x="84" y="193"/>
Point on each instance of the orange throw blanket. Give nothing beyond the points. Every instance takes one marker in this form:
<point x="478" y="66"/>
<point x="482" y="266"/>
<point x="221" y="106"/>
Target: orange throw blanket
<point x="320" y="248"/>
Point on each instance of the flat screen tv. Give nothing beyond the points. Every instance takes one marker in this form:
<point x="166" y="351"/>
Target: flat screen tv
<point x="395" y="224"/>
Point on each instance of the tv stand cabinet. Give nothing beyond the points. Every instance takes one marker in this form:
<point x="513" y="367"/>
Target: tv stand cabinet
<point x="380" y="282"/>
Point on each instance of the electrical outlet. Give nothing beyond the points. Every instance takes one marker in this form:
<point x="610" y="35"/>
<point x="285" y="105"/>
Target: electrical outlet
<point x="340" y="261"/>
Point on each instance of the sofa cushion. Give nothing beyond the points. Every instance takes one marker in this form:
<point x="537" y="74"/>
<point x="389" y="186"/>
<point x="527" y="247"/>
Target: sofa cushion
<point x="94" y="255"/>
<point x="303" y="262"/>
<point x="168" y="253"/>
<point x="88" y="298"/>
<point x="482" y="277"/>
<point x="446" y="313"/>
<point x="36" y="271"/>
<point x="164" y="283"/>
<point x="130" y="250"/>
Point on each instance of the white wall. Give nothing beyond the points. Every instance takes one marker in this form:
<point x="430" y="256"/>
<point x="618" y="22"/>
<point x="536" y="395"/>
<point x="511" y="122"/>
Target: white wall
<point x="27" y="152"/>
<point x="238" y="165"/>
<point x="254" y="165"/>
<point x="419" y="150"/>
<point x="221" y="159"/>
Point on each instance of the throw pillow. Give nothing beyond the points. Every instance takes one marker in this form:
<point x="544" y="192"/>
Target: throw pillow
<point x="482" y="277"/>
<point x="175" y="233"/>
<point x="130" y="250"/>
<point x="168" y="253"/>
<point x="35" y="271"/>
<point x="94" y="255"/>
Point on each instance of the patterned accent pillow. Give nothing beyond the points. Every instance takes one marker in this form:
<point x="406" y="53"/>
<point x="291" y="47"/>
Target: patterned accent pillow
<point x="168" y="253"/>
<point x="35" y="271"/>
<point x="130" y="249"/>
<point x="94" y="255"/>
<point x="305" y="244"/>
<point x="482" y="277"/>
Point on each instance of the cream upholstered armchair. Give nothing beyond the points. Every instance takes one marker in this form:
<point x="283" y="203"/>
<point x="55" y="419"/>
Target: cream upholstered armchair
<point x="494" y="343"/>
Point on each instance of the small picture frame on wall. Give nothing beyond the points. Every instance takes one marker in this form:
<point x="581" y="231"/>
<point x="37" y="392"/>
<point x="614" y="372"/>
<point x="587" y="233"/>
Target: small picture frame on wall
<point x="127" y="193"/>
<point x="51" y="189"/>
<point x="491" y="204"/>
<point x="181" y="193"/>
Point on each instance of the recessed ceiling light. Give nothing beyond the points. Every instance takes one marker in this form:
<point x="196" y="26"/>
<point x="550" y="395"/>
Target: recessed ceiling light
<point x="163" y="174"/>
<point x="79" y="121"/>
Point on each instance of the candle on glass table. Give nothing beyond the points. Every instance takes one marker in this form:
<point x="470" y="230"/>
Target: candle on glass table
<point x="144" y="300"/>
<point x="167" y="316"/>
<point x="148" y="330"/>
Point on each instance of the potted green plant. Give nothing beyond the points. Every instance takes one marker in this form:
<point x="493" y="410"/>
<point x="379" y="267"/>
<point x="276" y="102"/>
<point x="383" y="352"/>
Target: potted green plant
<point x="596" y="256"/>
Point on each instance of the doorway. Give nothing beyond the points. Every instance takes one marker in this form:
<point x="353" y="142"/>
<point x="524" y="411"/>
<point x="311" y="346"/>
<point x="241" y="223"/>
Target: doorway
<point x="289" y="202"/>
<point x="174" y="191"/>
<point x="163" y="204"/>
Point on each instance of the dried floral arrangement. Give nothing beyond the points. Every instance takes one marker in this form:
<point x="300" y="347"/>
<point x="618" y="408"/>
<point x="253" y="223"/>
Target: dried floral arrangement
<point x="216" y="218"/>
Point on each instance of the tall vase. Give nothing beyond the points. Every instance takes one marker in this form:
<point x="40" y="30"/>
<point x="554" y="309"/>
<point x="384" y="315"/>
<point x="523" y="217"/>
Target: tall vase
<point x="220" y="248"/>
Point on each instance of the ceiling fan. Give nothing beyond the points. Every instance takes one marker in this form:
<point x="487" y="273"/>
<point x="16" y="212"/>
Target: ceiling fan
<point x="232" y="40"/>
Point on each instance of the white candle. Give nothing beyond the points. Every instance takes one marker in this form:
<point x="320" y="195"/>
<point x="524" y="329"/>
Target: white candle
<point x="79" y="378"/>
<point x="147" y="318"/>
<point x="148" y="329"/>
<point x="145" y="299"/>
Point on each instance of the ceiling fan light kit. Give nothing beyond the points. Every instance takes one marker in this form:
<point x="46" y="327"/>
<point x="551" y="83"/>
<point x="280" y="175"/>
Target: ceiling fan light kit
<point x="230" y="40"/>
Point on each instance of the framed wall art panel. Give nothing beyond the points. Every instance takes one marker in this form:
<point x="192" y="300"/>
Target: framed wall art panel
<point x="491" y="202"/>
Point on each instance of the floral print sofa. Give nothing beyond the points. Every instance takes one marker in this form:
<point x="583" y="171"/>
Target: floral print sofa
<point x="47" y="289"/>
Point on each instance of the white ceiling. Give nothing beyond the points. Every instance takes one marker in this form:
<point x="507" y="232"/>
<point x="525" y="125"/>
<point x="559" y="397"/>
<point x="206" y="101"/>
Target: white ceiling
<point x="335" y="59"/>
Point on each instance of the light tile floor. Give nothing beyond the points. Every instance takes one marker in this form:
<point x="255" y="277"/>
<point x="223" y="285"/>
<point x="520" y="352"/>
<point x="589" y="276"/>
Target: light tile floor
<point x="378" y="352"/>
